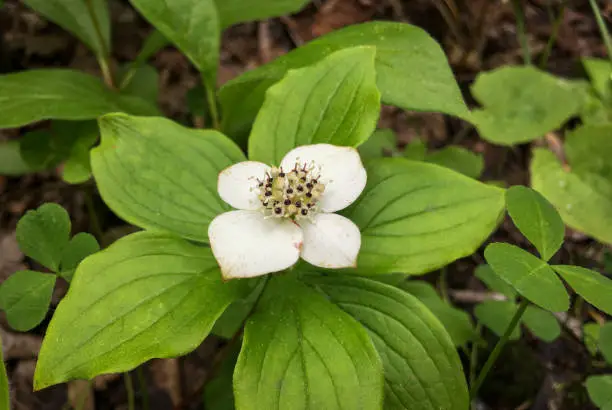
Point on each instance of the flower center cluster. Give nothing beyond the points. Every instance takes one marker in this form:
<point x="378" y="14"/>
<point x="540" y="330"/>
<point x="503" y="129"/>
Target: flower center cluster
<point x="290" y="194"/>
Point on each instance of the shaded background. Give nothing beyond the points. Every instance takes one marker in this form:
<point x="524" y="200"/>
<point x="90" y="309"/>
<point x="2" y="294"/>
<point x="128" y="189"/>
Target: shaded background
<point x="477" y="35"/>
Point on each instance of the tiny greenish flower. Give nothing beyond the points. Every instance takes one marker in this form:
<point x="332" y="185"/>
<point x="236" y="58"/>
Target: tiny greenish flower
<point x="287" y="212"/>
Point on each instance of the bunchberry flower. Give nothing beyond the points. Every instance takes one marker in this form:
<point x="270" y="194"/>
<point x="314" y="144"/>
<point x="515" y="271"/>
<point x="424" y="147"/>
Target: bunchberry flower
<point x="287" y="212"/>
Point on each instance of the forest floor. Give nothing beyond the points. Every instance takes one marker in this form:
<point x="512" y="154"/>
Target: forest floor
<point x="477" y="35"/>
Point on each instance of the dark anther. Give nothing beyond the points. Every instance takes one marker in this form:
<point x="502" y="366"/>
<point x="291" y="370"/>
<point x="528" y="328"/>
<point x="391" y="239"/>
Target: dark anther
<point x="260" y="184"/>
<point x="303" y="179"/>
<point x="282" y="175"/>
<point x="298" y="204"/>
<point x="289" y="190"/>
<point x="309" y="185"/>
<point x="308" y="194"/>
<point x="304" y="212"/>
<point x="278" y="210"/>
<point x="309" y="205"/>
<point x="268" y="185"/>
<point x="300" y="188"/>
<point x="287" y="202"/>
<point x="268" y="193"/>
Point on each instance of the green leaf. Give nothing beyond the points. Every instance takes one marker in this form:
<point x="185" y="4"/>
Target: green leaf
<point x="531" y="277"/>
<point x="457" y="322"/>
<point x="594" y="287"/>
<point x="382" y="143"/>
<point x="234" y="316"/>
<point x="5" y="397"/>
<point x="600" y="391"/>
<point x="497" y="315"/>
<point x="43" y="234"/>
<point x="154" y="42"/>
<point x="416" y="217"/>
<point x="35" y="95"/>
<point x="159" y="175"/>
<point x="605" y="341"/>
<point x="234" y="11"/>
<point x="76" y="17"/>
<point x="416" y="150"/>
<point x="80" y="246"/>
<point x="76" y="139"/>
<point x="36" y="150"/>
<point x="422" y="368"/>
<point x="494" y="282"/>
<point x="521" y="104"/>
<point x="411" y="72"/>
<point x="584" y="201"/>
<point x="537" y="219"/>
<point x="590" y="336"/>
<point x="219" y="393"/>
<point x="11" y="162"/>
<point x="458" y="159"/>
<point x="25" y="298"/>
<point x="543" y="324"/>
<point x="192" y="25"/>
<point x="147" y="296"/>
<point x="600" y="74"/>
<point x="143" y="82"/>
<point x="302" y="352"/>
<point x="589" y="148"/>
<point x="334" y="101"/>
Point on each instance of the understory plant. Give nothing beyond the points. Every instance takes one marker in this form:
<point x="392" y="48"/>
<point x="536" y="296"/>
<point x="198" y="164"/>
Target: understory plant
<point x="289" y="224"/>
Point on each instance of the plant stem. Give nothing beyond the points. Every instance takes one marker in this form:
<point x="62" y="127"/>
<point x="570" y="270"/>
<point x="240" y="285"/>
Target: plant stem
<point x="129" y="388"/>
<point x="474" y="354"/>
<point x="553" y="37"/>
<point x="521" y="31"/>
<point x="497" y="349"/>
<point x="94" y="222"/>
<point x="144" y="390"/>
<point x="104" y="59"/>
<point x="605" y="34"/>
<point x="211" y="99"/>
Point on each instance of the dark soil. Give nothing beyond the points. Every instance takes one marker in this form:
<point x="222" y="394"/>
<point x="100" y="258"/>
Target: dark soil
<point x="476" y="35"/>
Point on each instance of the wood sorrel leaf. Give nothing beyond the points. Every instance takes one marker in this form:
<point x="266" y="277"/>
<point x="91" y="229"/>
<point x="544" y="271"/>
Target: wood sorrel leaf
<point x="521" y="104"/>
<point x="536" y="218"/>
<point x="192" y="25"/>
<point x="334" y="101"/>
<point x="594" y="287"/>
<point x="35" y="95"/>
<point x="497" y="315"/>
<point x="234" y="11"/>
<point x="600" y="391"/>
<point x="411" y="73"/>
<point x="80" y="246"/>
<point x="148" y="295"/>
<point x="416" y="217"/>
<point x="543" y="324"/>
<point x="43" y="234"/>
<point x="302" y="352"/>
<point x="494" y="282"/>
<point x="584" y="200"/>
<point x="422" y="368"/>
<point x="457" y="322"/>
<point x="159" y="175"/>
<point x="4" y="386"/>
<point x="531" y="277"/>
<point x="77" y="16"/>
<point x="25" y="298"/>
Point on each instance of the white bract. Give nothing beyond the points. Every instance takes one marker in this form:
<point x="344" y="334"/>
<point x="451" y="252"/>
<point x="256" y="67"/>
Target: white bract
<point x="287" y="212"/>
